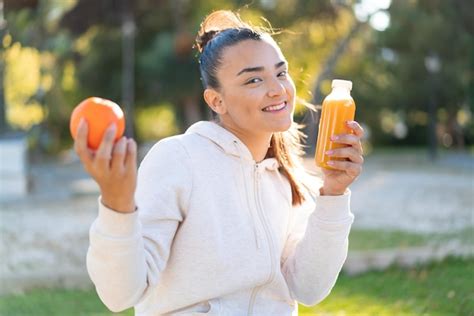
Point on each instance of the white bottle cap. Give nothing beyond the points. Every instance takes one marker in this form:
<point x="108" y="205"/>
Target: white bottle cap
<point x="346" y="84"/>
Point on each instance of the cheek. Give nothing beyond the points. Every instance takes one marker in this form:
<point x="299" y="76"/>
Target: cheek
<point x="290" y="87"/>
<point x="244" y="102"/>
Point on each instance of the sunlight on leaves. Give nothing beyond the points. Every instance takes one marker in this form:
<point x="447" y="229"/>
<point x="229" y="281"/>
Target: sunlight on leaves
<point x="7" y="40"/>
<point x="22" y="80"/>
<point x="83" y="44"/>
<point x="69" y="77"/>
<point x="320" y="38"/>
<point x="156" y="122"/>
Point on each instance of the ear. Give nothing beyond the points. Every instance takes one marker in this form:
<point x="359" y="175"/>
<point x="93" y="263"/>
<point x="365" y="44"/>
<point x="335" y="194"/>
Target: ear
<point x="214" y="100"/>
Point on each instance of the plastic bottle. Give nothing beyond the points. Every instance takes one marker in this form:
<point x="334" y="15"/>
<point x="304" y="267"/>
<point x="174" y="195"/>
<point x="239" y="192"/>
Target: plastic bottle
<point x="338" y="108"/>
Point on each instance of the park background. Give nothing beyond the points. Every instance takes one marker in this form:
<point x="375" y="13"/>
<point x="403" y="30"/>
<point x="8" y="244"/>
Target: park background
<point x="411" y="62"/>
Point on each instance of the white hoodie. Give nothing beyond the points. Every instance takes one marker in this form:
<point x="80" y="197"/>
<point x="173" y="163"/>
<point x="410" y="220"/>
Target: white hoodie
<point x="215" y="234"/>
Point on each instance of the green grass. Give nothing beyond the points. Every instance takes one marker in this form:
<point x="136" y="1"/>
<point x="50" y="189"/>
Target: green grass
<point x="438" y="289"/>
<point x="47" y="302"/>
<point x="372" y="239"/>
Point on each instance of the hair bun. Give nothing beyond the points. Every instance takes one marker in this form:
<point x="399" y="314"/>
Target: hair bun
<point x="202" y="40"/>
<point x="216" y="22"/>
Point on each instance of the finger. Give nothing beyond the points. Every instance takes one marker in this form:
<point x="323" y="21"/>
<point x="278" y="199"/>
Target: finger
<point x="104" y="152"/>
<point x="347" y="139"/>
<point x="131" y="156"/>
<point x="358" y="130"/>
<point x="80" y="143"/>
<point x="118" y="154"/>
<point x="351" y="153"/>
<point x="351" y="168"/>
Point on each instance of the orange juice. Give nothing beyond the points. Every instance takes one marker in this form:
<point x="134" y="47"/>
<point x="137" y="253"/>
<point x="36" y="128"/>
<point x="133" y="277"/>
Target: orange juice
<point x="338" y="108"/>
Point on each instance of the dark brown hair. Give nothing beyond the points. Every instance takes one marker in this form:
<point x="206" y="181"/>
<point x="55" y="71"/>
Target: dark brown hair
<point x="222" y="29"/>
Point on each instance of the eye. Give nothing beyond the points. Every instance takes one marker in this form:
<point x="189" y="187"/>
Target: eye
<point x="283" y="73"/>
<point x="253" y="80"/>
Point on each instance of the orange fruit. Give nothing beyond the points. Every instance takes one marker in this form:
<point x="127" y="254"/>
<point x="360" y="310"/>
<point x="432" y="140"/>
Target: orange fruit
<point x="99" y="114"/>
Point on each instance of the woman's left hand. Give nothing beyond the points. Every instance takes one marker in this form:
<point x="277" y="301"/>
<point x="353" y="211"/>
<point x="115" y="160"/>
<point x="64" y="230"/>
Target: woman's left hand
<point x="336" y="181"/>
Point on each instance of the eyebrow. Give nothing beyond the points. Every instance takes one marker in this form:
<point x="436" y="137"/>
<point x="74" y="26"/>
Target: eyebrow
<point x="260" y="68"/>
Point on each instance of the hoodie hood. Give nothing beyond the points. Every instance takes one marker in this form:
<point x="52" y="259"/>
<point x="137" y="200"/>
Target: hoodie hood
<point x="228" y="142"/>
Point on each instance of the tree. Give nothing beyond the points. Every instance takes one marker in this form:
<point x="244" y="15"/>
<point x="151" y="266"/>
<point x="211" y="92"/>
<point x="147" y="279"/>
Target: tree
<point x="82" y="50"/>
<point x="394" y="84"/>
<point x="4" y="5"/>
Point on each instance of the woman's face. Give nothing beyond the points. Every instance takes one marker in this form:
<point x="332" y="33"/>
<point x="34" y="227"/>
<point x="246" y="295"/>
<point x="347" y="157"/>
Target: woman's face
<point x="256" y="91"/>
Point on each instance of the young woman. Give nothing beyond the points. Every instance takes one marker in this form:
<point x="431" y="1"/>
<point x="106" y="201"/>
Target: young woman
<point x="222" y="220"/>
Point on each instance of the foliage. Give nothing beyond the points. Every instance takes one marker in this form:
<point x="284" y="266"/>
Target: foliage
<point x="75" y="51"/>
<point x="22" y="79"/>
<point x="393" y="84"/>
<point x="84" y="42"/>
<point x="146" y="122"/>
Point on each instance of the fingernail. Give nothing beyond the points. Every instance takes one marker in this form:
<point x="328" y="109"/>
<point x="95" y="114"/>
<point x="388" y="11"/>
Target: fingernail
<point x="334" y="137"/>
<point x="329" y="152"/>
<point x="330" y="162"/>
<point x="82" y="126"/>
<point x="122" y="144"/>
<point x="350" y="122"/>
<point x="82" y="122"/>
<point x="131" y="145"/>
<point x="111" y="131"/>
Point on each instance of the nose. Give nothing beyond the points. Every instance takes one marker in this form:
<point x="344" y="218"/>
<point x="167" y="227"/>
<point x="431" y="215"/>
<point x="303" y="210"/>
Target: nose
<point x="275" y="88"/>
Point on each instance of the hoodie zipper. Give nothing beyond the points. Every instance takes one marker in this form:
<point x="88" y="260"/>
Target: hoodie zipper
<point x="256" y="235"/>
<point x="269" y="238"/>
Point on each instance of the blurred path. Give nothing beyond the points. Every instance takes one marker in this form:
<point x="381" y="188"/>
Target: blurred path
<point x="405" y="191"/>
<point x="396" y="190"/>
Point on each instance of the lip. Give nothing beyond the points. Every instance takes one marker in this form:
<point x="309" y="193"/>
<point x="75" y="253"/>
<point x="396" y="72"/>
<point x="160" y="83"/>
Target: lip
<point x="274" y="104"/>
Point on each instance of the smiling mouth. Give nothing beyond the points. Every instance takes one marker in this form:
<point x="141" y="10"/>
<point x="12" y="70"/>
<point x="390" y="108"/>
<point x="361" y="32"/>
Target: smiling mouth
<point x="275" y="108"/>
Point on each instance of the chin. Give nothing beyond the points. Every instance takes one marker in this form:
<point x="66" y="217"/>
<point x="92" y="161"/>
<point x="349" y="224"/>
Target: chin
<point x="282" y="126"/>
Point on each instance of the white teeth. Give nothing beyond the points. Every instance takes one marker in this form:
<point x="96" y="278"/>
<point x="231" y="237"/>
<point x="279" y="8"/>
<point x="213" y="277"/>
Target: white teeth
<point x="275" y="107"/>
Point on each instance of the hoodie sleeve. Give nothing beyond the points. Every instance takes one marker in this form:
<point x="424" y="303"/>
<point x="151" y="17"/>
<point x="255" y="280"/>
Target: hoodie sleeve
<point x="316" y="247"/>
<point x="128" y="252"/>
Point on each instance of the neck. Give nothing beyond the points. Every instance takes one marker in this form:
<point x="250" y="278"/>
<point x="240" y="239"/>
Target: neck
<point x="257" y="144"/>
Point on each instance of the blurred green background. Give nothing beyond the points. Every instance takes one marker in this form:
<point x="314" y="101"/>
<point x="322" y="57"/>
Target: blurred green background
<point x="411" y="62"/>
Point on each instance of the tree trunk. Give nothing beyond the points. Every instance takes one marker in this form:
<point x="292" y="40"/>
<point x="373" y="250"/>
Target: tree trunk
<point x="456" y="131"/>
<point x="191" y="110"/>
<point x="128" y="62"/>
<point x="432" y="123"/>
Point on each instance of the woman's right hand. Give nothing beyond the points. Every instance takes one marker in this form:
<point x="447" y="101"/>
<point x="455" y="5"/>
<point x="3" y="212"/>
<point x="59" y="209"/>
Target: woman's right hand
<point x="112" y="166"/>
